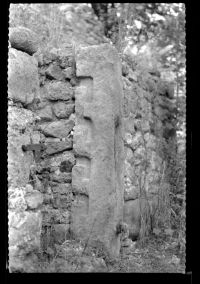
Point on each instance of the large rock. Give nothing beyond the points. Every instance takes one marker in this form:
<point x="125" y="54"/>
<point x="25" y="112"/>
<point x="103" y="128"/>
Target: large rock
<point x="24" y="239"/>
<point x="23" y="81"/>
<point x="98" y="144"/>
<point x="20" y="124"/>
<point x="23" y="39"/>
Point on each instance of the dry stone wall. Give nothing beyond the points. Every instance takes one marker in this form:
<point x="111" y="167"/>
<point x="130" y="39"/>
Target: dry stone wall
<point x="61" y="183"/>
<point x="40" y="157"/>
<point x="70" y="117"/>
<point x="150" y="141"/>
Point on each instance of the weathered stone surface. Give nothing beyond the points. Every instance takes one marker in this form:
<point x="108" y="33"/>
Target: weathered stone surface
<point x="19" y="162"/>
<point x="54" y="72"/>
<point x="68" y="72"/>
<point x="166" y="89"/>
<point x="131" y="193"/>
<point x="63" y="110"/>
<point x="57" y="147"/>
<point x="60" y="233"/>
<point x="62" y="188"/>
<point x="46" y="113"/>
<point x="16" y="200"/>
<point x="80" y="178"/>
<point x="62" y="201"/>
<point x="60" y="217"/>
<point x="34" y="199"/>
<point x="23" y="39"/>
<point x="23" y="81"/>
<point x="79" y="213"/>
<point x="24" y="237"/>
<point x="61" y="177"/>
<point x="132" y="217"/>
<point x="100" y="152"/>
<point x="58" y="91"/>
<point x="58" y="129"/>
<point x="56" y="161"/>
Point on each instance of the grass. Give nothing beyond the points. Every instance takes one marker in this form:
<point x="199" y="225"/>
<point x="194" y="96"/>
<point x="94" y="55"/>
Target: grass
<point x="158" y="255"/>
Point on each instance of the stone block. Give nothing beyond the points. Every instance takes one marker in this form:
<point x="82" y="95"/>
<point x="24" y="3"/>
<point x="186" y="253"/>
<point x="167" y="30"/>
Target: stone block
<point x="62" y="201"/>
<point x="23" y="39"/>
<point x="46" y="113"/>
<point x="62" y="110"/>
<point x="54" y="91"/>
<point x="98" y="139"/>
<point x="68" y="72"/>
<point x="55" y="161"/>
<point x="61" y="177"/>
<point x="58" y="147"/>
<point x="54" y="72"/>
<point x="23" y="81"/>
<point x="56" y="129"/>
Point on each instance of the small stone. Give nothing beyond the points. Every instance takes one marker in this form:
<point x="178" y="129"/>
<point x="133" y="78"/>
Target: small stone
<point x="74" y="82"/>
<point x="54" y="72"/>
<point x="68" y="72"/>
<point x="131" y="193"/>
<point x="58" y="91"/>
<point x="62" y="188"/>
<point x="23" y="39"/>
<point x="34" y="199"/>
<point x="125" y="69"/>
<point x="132" y="76"/>
<point x="29" y="188"/>
<point x="66" y="166"/>
<point x="62" y="201"/>
<point x="60" y="217"/>
<point x="62" y="110"/>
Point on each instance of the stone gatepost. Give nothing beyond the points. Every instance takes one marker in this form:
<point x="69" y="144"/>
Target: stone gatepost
<point x="97" y="177"/>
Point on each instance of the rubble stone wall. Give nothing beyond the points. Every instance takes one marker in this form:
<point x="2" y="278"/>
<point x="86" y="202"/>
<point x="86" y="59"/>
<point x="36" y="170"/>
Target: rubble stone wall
<point x="71" y="114"/>
<point x="63" y="188"/>
<point x="150" y="141"/>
